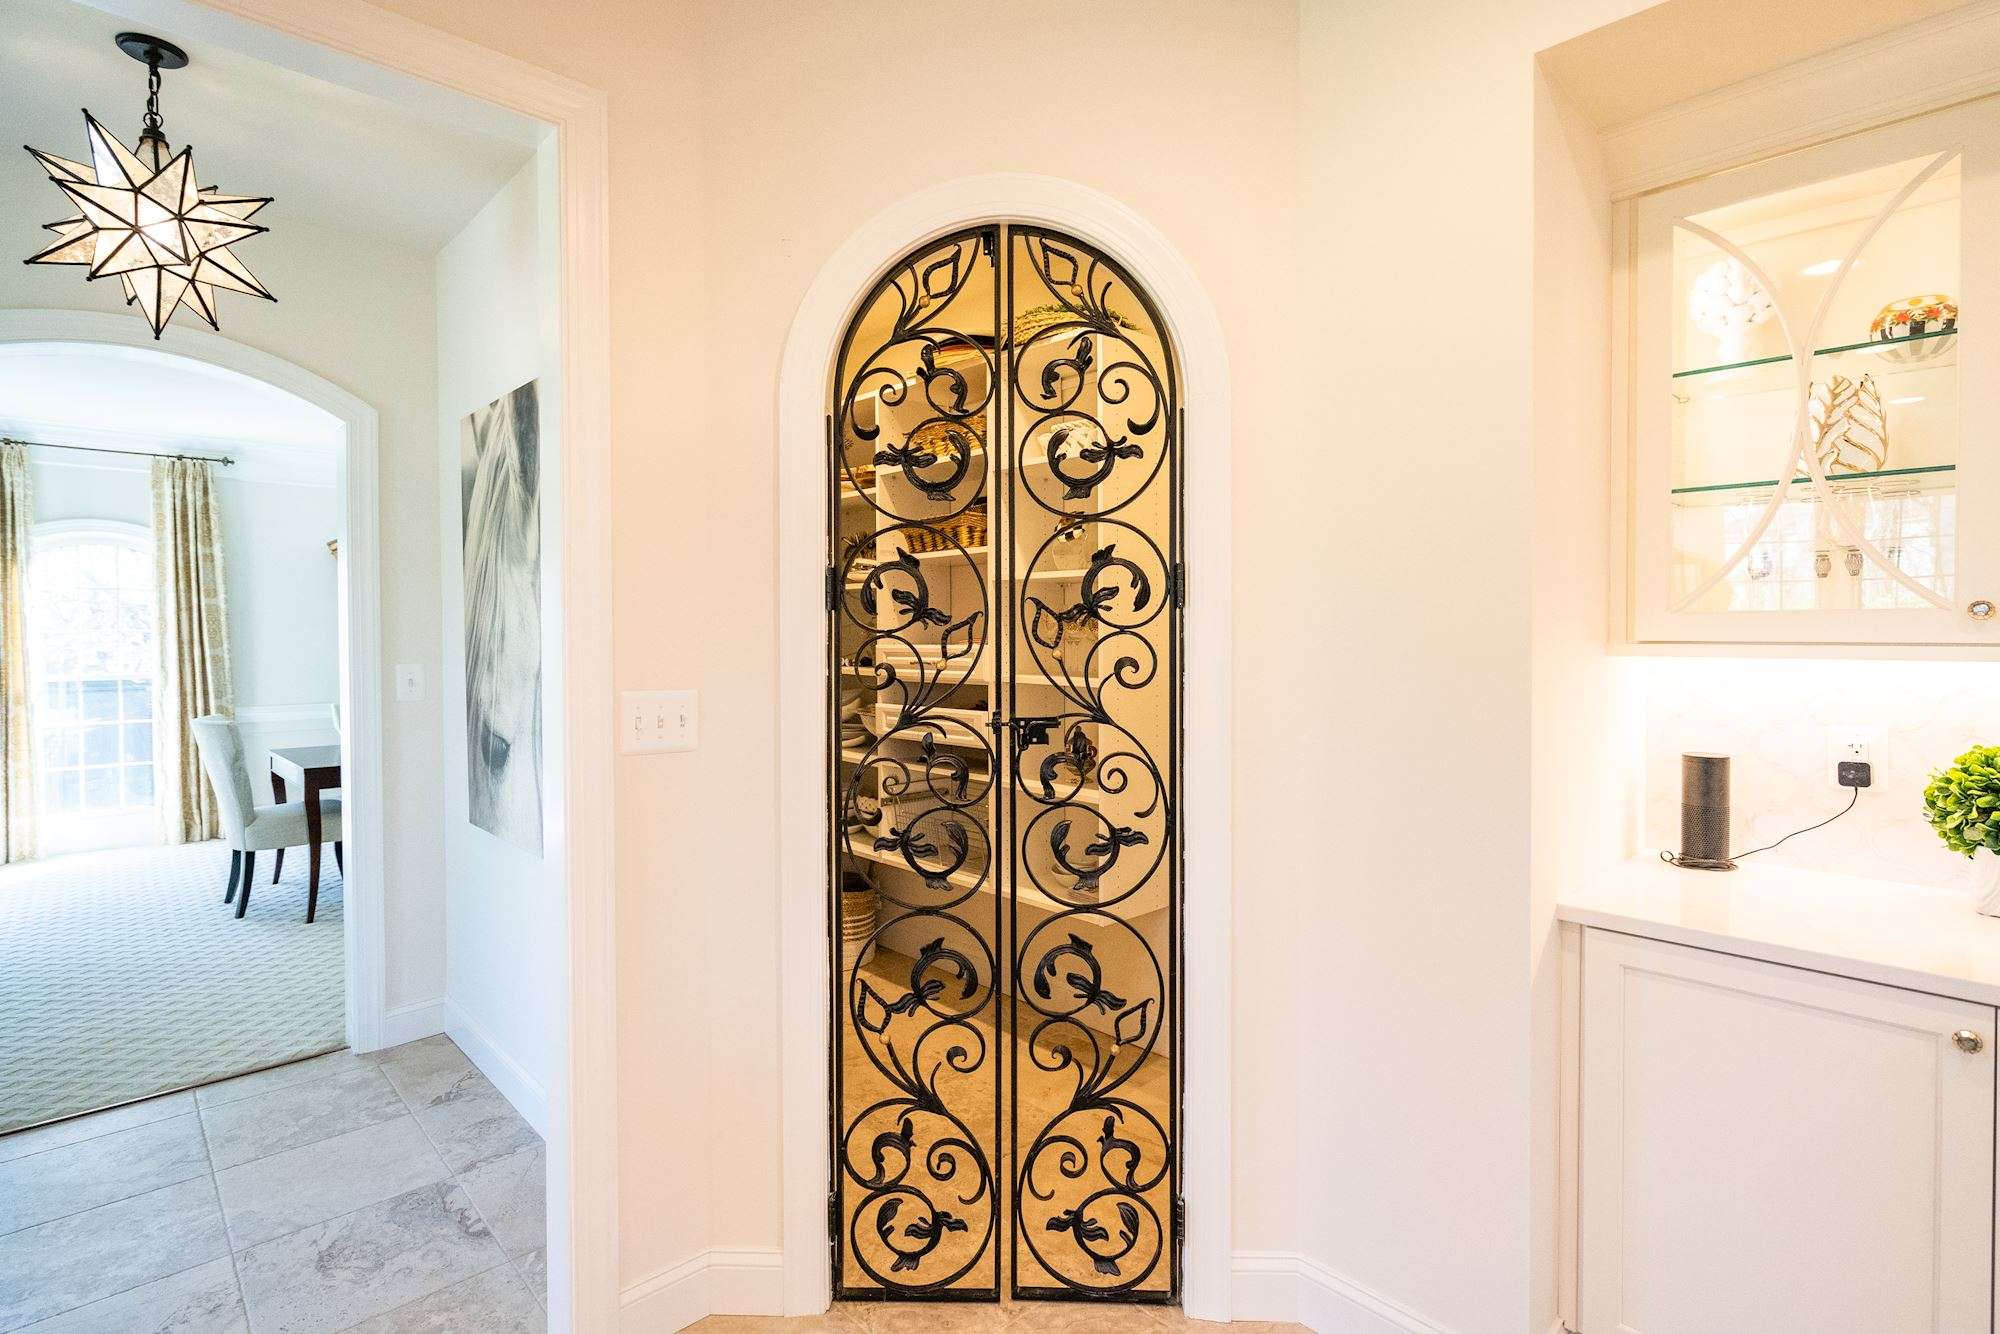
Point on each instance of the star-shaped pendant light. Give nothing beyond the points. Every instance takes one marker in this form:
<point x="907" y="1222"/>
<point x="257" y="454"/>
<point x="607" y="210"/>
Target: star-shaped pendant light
<point x="141" y="217"/>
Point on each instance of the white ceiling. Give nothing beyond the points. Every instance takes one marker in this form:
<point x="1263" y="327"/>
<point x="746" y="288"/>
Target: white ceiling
<point x="1684" y="48"/>
<point x="140" y="399"/>
<point x="411" y="170"/>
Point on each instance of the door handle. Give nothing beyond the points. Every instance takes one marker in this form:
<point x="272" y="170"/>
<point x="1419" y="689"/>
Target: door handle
<point x="1968" y="1041"/>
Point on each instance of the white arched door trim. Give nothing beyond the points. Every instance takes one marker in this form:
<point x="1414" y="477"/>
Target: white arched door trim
<point x="802" y="699"/>
<point x="360" y="607"/>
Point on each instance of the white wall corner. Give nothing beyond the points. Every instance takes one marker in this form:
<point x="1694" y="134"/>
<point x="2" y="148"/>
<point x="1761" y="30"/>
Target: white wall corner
<point x="516" y="1085"/>
<point x="407" y="1023"/>
<point x="1286" y="1286"/>
<point x="713" y="1282"/>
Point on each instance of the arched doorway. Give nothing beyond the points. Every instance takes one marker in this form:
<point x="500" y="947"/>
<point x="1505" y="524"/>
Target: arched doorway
<point x="1004" y="588"/>
<point x="350" y="425"/>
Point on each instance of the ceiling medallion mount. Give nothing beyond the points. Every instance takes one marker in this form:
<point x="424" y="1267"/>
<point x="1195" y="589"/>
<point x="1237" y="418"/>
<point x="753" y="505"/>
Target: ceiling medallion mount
<point x="150" y="50"/>
<point x="142" y="218"/>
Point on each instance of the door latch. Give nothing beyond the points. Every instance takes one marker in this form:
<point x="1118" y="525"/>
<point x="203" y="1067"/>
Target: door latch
<point x="1033" y="731"/>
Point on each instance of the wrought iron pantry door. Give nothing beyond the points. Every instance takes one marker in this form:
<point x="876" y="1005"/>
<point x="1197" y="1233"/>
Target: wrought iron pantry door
<point x="1004" y="593"/>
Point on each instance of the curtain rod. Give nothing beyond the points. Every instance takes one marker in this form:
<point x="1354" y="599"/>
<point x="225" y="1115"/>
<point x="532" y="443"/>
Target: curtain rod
<point x="138" y="453"/>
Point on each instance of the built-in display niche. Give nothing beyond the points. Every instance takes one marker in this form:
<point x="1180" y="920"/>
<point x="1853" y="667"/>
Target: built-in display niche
<point x="1801" y="372"/>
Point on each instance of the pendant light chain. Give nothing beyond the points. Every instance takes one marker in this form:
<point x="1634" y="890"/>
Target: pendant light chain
<point x="152" y="118"/>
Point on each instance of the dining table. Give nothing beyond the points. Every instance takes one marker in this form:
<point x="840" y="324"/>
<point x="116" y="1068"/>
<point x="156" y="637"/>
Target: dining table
<point x="315" y="769"/>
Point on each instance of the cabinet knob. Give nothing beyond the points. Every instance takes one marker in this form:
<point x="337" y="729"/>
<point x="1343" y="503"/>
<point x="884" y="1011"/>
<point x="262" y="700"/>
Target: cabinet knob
<point x="1968" y="1041"/>
<point x="1980" y="609"/>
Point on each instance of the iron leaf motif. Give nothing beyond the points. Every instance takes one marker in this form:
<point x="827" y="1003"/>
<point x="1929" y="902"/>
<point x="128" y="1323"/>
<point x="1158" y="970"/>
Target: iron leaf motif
<point x="900" y="1141"/>
<point x="960" y="637"/>
<point x="1130" y="1026"/>
<point x="1081" y="756"/>
<point x="955" y="382"/>
<point x="1085" y="1230"/>
<point x="1079" y="362"/>
<point x="871" y="1011"/>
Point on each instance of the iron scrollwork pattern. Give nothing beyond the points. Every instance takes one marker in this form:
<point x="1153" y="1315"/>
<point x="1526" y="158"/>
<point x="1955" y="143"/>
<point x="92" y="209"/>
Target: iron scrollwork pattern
<point x="1003" y="440"/>
<point x="915" y="1072"/>
<point x="1093" y="591"/>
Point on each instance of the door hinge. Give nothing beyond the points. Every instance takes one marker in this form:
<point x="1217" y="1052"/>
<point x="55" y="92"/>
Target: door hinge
<point x="1180" y="1216"/>
<point x="833" y="1221"/>
<point x="832" y="588"/>
<point x="1177" y="586"/>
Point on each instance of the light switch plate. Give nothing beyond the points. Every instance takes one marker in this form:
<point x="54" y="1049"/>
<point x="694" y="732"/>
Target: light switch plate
<point x="409" y="681"/>
<point x="652" y="721"/>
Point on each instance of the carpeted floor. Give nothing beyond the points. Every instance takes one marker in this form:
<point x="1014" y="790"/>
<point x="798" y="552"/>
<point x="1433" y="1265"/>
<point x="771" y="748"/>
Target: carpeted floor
<point x="122" y="975"/>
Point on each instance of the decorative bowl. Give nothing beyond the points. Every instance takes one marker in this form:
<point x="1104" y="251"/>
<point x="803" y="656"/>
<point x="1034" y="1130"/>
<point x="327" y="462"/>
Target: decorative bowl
<point x="1926" y="313"/>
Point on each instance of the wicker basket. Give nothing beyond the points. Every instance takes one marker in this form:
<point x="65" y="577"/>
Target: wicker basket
<point x="967" y="530"/>
<point x="941" y="437"/>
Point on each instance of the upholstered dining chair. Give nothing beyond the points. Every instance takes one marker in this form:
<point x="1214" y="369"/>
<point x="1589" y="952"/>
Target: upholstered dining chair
<point x="248" y="827"/>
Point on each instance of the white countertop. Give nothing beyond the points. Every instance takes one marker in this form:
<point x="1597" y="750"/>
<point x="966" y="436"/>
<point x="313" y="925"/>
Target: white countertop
<point x="1903" y="935"/>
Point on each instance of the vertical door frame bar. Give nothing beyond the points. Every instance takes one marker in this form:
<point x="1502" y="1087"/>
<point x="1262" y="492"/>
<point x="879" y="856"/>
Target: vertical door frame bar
<point x="800" y="815"/>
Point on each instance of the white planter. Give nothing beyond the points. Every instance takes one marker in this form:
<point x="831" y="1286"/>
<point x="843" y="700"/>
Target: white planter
<point x="1986" y="883"/>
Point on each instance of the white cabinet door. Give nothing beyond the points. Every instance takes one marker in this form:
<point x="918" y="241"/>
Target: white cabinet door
<point x="1777" y="1151"/>
<point x="1719" y="555"/>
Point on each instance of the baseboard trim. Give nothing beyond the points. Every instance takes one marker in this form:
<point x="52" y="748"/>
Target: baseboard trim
<point x="407" y="1023"/>
<point x="1287" y="1286"/>
<point x="712" y="1282"/>
<point x="516" y="1085"/>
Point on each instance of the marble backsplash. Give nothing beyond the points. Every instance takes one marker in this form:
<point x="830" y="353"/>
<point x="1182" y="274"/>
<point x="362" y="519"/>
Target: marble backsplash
<point x="1774" y="718"/>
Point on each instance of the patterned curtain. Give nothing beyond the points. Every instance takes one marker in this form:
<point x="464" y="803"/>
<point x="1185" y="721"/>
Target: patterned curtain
<point x="17" y="750"/>
<point x="194" y="641"/>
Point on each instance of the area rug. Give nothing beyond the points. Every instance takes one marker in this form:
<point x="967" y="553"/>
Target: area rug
<point x="123" y="975"/>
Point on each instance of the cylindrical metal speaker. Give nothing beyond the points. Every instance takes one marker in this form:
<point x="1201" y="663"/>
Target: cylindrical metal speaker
<point x="1705" y="813"/>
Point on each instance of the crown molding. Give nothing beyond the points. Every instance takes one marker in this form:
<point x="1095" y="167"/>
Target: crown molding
<point x="1920" y="67"/>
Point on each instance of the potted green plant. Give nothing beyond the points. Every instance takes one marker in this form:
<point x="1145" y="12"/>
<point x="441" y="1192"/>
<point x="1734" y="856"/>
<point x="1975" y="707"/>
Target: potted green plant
<point x="1963" y="805"/>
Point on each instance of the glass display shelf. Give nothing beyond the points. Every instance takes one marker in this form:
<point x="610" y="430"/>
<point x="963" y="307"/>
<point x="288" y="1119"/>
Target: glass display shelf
<point x="1931" y="477"/>
<point x="1871" y="346"/>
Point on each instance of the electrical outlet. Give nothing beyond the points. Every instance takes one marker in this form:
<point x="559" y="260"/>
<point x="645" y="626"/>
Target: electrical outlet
<point x="1848" y="743"/>
<point x="658" y="720"/>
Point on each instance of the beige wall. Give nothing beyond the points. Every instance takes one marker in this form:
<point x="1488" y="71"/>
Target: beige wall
<point x="747" y="142"/>
<point x="1419" y="163"/>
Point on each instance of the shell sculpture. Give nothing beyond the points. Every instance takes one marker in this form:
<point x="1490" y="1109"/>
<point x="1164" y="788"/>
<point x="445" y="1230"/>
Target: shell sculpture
<point x="1850" y="428"/>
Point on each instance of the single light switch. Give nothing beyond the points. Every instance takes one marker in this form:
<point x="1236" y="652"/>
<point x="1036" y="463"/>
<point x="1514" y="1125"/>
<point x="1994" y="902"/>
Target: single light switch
<point x="409" y="681"/>
<point x="658" y="720"/>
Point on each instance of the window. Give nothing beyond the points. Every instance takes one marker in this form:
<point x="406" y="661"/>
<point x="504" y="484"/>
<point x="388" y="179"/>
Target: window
<point x="92" y="662"/>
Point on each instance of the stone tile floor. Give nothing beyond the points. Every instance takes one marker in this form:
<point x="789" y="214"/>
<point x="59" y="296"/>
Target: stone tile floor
<point x="1013" y="1317"/>
<point x="397" y="1191"/>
